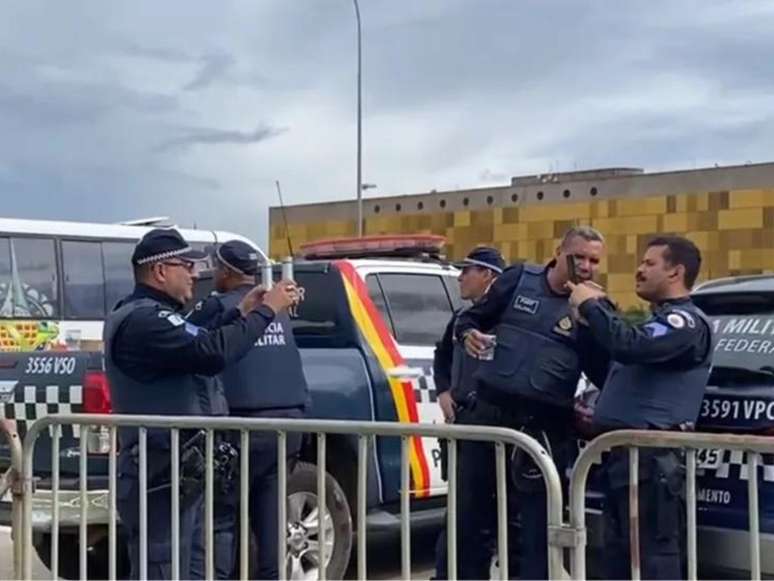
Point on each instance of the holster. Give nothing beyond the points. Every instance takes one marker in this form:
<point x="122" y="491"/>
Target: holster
<point x="668" y="470"/>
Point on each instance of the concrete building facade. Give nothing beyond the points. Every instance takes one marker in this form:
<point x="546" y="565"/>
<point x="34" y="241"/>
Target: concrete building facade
<point x="727" y="211"/>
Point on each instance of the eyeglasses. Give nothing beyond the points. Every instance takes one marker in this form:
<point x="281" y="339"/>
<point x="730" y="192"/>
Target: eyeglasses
<point x="189" y="266"/>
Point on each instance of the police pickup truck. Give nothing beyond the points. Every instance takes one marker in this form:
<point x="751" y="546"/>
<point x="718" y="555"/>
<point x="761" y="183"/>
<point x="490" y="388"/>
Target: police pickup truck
<point x="366" y="329"/>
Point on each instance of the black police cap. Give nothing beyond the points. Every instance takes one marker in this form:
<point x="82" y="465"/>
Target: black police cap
<point x="162" y="244"/>
<point x="484" y="257"/>
<point x="238" y="256"/>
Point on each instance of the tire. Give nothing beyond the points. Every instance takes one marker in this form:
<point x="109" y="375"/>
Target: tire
<point x="302" y="503"/>
<point x="97" y="555"/>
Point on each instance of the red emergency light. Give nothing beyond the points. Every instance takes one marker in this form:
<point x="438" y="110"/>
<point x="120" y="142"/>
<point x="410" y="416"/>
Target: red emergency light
<point x="383" y="245"/>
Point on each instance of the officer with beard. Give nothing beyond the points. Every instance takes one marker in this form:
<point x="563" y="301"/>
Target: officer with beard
<point x="656" y="382"/>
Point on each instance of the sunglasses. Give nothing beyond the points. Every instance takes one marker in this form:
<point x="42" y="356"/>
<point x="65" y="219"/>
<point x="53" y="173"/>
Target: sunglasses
<point x="189" y="266"/>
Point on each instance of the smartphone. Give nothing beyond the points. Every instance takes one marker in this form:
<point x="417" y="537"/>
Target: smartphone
<point x="572" y="273"/>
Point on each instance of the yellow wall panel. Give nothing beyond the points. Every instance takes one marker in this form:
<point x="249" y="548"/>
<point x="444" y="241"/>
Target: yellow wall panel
<point x="641" y="206"/>
<point x="462" y="218"/>
<point x="620" y="282"/>
<point x="750" y="198"/>
<point x="740" y="218"/>
<point x="600" y="209"/>
<point x="538" y="213"/>
<point x="536" y="230"/>
<point x="510" y="232"/>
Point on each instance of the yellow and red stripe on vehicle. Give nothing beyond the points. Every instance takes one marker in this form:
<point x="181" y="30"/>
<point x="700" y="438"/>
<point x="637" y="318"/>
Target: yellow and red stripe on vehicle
<point x="374" y="330"/>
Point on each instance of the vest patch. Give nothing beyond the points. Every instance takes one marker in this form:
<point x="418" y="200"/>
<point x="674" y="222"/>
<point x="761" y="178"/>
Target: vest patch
<point x="564" y="327"/>
<point x="175" y="319"/>
<point x="526" y="304"/>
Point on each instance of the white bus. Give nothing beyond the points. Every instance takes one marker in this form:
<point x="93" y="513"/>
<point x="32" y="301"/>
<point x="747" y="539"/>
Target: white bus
<point x="58" y="280"/>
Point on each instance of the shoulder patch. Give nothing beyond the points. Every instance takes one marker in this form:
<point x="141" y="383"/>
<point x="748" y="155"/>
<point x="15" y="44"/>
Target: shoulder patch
<point x="677" y="320"/>
<point x="689" y="319"/>
<point x="175" y="319"/>
<point x="657" y="329"/>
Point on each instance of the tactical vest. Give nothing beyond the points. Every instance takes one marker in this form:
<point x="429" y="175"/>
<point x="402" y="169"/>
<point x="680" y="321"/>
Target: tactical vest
<point x="179" y="395"/>
<point x="271" y="375"/>
<point x="658" y="396"/>
<point x="535" y="356"/>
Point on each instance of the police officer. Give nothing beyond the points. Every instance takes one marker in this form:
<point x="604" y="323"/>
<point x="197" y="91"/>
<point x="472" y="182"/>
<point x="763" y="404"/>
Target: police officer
<point x="452" y="367"/>
<point x="268" y="382"/>
<point x="656" y="382"/>
<point x="528" y="384"/>
<point x="157" y="363"/>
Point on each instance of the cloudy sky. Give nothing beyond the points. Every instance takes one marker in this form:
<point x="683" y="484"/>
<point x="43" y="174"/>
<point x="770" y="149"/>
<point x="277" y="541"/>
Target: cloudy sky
<point x="117" y="110"/>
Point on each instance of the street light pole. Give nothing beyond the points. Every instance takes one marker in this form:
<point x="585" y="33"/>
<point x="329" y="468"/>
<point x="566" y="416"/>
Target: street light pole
<point x="359" y="126"/>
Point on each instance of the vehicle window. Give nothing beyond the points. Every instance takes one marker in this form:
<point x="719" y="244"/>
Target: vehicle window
<point x="419" y="306"/>
<point x="119" y="279"/>
<point x="454" y="293"/>
<point x="317" y="314"/>
<point x="743" y="326"/>
<point x="84" y="282"/>
<point x="28" y="278"/>
<point x="377" y="297"/>
<point x="209" y="249"/>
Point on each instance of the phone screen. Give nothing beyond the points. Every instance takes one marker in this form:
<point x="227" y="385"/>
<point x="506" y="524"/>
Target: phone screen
<point x="572" y="274"/>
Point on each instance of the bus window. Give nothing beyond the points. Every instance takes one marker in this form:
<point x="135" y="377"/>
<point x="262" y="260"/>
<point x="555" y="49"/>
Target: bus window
<point x="28" y="278"/>
<point x="84" y="284"/>
<point x="119" y="279"/>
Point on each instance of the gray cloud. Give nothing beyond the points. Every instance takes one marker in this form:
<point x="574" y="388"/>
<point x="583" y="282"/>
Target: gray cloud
<point x="213" y="67"/>
<point x="104" y="110"/>
<point x="209" y="136"/>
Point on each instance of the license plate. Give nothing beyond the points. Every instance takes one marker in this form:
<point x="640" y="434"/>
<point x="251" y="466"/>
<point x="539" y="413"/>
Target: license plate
<point x="708" y="458"/>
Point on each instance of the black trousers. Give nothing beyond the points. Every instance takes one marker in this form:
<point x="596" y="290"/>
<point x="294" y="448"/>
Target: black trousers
<point x="477" y="509"/>
<point x="661" y="514"/>
<point x="262" y="512"/>
<point x="159" y="514"/>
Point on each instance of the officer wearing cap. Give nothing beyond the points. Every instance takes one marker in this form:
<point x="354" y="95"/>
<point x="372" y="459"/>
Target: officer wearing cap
<point x="157" y="363"/>
<point x="656" y="382"/>
<point x="452" y="367"/>
<point x="527" y="384"/>
<point x="269" y="382"/>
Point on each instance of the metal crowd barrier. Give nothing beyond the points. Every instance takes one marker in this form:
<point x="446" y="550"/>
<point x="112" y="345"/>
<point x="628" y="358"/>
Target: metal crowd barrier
<point x="11" y="481"/>
<point x="558" y="539"/>
<point x="691" y="442"/>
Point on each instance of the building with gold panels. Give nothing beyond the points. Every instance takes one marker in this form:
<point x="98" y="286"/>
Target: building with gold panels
<point x="727" y="211"/>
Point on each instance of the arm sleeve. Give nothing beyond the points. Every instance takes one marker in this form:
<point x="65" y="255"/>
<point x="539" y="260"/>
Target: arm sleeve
<point x="486" y="313"/>
<point x="442" y="358"/>
<point x="210" y="314"/>
<point x="663" y="338"/>
<point x="172" y="344"/>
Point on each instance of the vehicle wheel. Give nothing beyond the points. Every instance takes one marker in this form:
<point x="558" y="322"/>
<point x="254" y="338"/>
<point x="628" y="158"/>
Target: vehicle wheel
<point x="304" y="522"/>
<point x="97" y="555"/>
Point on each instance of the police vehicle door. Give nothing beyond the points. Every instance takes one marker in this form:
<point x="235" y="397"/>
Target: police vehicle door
<point x="416" y="302"/>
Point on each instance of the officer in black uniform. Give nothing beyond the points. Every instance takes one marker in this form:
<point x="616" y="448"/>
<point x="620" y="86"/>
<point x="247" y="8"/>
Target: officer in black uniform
<point x="453" y="368"/>
<point x="268" y="382"/>
<point x="159" y="364"/>
<point x="656" y="382"/>
<point x="528" y="384"/>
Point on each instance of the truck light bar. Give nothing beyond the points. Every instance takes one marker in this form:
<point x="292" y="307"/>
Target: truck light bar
<point x="405" y="245"/>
